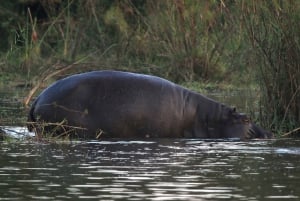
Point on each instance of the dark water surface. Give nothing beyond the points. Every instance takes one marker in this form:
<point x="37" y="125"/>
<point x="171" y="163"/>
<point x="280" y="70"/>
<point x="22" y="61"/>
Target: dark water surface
<point x="150" y="170"/>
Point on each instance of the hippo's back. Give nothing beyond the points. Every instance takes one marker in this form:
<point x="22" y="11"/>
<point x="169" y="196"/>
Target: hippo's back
<point x="120" y="104"/>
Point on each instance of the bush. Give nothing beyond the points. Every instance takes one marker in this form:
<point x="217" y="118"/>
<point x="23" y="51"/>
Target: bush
<point x="273" y="30"/>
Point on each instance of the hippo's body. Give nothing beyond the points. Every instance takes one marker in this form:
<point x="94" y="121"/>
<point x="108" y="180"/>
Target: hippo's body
<point x="118" y="104"/>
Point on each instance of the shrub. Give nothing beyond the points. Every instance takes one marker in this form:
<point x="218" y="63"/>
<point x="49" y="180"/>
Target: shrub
<point x="273" y="30"/>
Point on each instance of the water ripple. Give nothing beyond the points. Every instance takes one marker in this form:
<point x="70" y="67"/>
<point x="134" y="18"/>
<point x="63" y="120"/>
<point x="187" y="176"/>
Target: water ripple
<point x="150" y="170"/>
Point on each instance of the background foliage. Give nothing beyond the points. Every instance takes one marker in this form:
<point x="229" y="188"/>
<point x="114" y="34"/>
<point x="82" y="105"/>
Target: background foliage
<point x="246" y="42"/>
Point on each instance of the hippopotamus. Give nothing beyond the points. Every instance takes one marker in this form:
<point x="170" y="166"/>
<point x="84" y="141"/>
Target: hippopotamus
<point x="117" y="104"/>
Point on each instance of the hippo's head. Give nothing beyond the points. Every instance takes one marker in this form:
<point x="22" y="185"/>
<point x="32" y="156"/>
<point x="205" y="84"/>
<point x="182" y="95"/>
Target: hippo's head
<point x="239" y="125"/>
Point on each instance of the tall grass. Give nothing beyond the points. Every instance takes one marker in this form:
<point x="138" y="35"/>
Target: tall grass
<point x="182" y="40"/>
<point x="273" y="30"/>
<point x="181" y="36"/>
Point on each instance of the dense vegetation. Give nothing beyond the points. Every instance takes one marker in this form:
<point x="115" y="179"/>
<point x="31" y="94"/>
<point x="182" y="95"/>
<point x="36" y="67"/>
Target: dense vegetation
<point x="244" y="42"/>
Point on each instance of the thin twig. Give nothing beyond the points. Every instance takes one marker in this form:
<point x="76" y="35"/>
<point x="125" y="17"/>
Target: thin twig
<point x="290" y="132"/>
<point x="56" y="124"/>
<point x="289" y="104"/>
<point x="30" y="17"/>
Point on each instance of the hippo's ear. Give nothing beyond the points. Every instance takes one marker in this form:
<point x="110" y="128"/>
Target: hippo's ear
<point x="232" y="110"/>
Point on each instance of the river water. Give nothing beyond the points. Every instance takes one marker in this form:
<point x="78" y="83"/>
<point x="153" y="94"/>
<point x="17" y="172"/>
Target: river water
<point x="161" y="169"/>
<point x="150" y="170"/>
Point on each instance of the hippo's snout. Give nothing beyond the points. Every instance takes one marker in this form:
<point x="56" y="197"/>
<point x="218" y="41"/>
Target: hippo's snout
<point x="257" y="132"/>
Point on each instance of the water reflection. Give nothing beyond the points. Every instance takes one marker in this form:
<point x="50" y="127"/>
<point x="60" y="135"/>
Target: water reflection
<point x="150" y="170"/>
